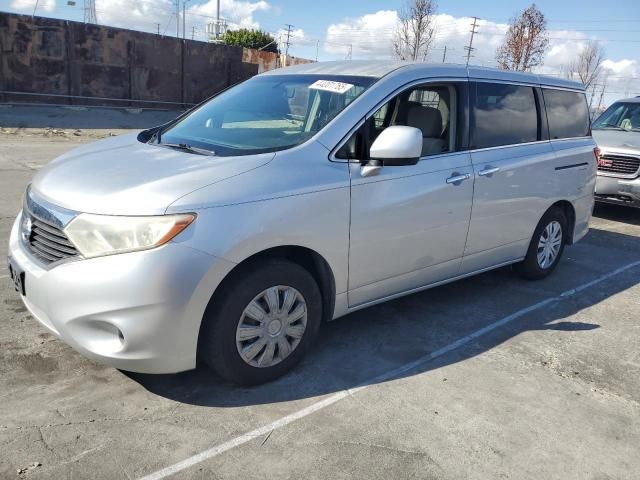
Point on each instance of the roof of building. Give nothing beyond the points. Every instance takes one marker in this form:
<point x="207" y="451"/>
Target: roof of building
<point x="379" y="69"/>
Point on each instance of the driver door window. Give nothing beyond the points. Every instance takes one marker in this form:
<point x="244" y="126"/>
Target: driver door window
<point x="429" y="108"/>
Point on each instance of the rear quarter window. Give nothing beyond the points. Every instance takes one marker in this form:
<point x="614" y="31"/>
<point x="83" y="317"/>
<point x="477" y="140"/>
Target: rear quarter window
<point x="504" y="115"/>
<point x="567" y="113"/>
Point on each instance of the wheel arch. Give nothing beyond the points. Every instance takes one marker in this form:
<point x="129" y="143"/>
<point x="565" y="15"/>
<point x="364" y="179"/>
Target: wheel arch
<point x="570" y="214"/>
<point x="306" y="257"/>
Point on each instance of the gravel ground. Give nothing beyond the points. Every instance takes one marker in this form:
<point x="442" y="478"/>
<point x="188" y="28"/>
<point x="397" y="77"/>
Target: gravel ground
<point x="511" y="379"/>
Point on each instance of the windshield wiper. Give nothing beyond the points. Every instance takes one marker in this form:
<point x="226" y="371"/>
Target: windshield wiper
<point x="188" y="148"/>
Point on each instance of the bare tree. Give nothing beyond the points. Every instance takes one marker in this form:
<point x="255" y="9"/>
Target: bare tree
<point x="587" y="67"/>
<point x="603" y="88"/>
<point x="414" y="34"/>
<point x="525" y="42"/>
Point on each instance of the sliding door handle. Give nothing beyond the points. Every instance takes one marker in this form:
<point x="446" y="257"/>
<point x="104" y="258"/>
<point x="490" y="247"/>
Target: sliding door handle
<point x="487" y="172"/>
<point x="458" y="178"/>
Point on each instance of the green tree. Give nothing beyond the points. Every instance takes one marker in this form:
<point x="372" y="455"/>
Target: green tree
<point x="247" y="38"/>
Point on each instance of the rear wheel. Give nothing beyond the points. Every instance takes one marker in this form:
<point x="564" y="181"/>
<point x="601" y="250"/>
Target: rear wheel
<point x="547" y="246"/>
<point x="262" y="322"/>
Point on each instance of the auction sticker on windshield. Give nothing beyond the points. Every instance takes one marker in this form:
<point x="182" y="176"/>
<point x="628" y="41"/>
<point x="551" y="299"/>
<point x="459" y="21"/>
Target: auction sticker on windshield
<point x="331" y="86"/>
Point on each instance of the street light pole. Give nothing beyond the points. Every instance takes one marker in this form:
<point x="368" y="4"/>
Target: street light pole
<point x="184" y="18"/>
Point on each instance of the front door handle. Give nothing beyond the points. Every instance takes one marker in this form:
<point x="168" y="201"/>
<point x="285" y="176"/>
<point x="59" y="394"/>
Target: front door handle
<point x="458" y="178"/>
<point x="487" y="172"/>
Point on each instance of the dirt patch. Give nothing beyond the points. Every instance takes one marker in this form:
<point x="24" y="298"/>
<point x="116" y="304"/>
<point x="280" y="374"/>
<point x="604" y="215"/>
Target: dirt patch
<point x="34" y="362"/>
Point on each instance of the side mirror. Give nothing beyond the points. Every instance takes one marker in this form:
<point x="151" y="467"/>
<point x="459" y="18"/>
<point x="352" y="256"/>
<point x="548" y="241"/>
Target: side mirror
<point x="397" y="145"/>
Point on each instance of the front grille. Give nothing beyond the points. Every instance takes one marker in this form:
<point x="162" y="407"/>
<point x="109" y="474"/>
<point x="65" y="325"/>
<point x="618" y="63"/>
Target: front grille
<point x="619" y="164"/>
<point x="49" y="243"/>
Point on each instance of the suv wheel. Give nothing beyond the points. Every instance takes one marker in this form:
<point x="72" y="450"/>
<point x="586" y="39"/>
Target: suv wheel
<point x="261" y="323"/>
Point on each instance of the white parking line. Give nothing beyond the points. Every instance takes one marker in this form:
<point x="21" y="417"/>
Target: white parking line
<point x="336" y="397"/>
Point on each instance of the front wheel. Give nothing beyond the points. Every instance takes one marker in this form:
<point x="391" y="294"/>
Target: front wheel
<point x="546" y="247"/>
<point x="262" y="322"/>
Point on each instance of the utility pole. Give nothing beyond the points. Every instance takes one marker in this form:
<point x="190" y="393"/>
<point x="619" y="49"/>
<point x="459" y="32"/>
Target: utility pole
<point x="317" y="48"/>
<point x="218" y="21"/>
<point x="470" y="48"/>
<point x="444" y="55"/>
<point x="193" y="33"/>
<point x="158" y="25"/>
<point x="350" y="52"/>
<point x="34" y="10"/>
<point x="288" y="43"/>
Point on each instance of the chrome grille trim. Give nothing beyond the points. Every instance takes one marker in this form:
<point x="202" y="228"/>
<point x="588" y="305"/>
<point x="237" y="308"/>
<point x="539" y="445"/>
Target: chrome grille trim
<point x="621" y="165"/>
<point x="44" y="236"/>
<point x="51" y="234"/>
<point x="42" y="248"/>
<point x="54" y="245"/>
<point x="43" y="255"/>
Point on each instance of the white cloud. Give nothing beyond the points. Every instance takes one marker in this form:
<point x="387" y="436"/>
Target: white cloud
<point x="139" y="15"/>
<point x="237" y="13"/>
<point x="27" y="5"/>
<point x="147" y="14"/>
<point x="297" y="37"/>
<point x="623" y="78"/>
<point x="371" y="35"/>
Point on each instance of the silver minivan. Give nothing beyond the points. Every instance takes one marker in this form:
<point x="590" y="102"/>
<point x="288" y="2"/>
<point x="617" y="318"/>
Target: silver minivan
<point x="303" y="194"/>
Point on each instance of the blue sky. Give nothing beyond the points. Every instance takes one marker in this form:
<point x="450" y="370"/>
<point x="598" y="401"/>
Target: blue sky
<point x="332" y="28"/>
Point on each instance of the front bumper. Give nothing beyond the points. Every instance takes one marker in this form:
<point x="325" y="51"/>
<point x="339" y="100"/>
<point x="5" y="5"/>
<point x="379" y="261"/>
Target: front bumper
<point x="618" y="190"/>
<point x="137" y="311"/>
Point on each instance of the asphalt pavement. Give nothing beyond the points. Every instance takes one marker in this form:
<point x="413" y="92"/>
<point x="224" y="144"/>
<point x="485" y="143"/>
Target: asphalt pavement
<point x="487" y="378"/>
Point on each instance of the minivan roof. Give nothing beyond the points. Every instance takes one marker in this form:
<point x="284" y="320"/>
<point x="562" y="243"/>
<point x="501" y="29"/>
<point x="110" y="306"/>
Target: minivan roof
<point x="379" y="69"/>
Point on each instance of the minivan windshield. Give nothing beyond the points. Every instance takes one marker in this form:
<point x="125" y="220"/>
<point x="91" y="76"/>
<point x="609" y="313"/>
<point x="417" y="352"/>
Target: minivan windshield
<point x="620" y="116"/>
<point x="264" y="114"/>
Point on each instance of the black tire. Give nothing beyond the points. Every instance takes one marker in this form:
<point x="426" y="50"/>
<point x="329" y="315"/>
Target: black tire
<point x="217" y="342"/>
<point x="529" y="268"/>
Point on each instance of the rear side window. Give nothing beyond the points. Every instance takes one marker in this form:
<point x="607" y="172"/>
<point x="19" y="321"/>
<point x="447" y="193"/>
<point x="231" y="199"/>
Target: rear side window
<point x="567" y="113"/>
<point x="504" y="115"/>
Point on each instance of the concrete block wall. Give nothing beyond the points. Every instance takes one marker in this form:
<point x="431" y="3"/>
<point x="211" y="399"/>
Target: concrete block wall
<point x="58" y="57"/>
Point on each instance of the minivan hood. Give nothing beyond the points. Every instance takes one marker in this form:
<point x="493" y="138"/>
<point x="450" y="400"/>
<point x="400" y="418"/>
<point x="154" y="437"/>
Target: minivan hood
<point x="123" y="176"/>
<point x="616" y="139"/>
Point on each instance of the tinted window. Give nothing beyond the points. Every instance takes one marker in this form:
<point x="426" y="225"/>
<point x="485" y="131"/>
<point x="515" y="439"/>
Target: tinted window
<point x="504" y="115"/>
<point x="567" y="113"/>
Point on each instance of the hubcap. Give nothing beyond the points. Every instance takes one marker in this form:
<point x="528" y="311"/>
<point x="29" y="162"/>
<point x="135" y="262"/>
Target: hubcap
<point x="271" y="326"/>
<point x="549" y="244"/>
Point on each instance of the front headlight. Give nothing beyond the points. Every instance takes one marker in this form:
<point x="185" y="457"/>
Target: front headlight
<point x="96" y="235"/>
